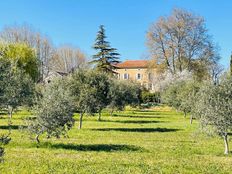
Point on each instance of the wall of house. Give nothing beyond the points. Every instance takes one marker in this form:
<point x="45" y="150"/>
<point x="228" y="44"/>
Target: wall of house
<point x="51" y="76"/>
<point x="133" y="74"/>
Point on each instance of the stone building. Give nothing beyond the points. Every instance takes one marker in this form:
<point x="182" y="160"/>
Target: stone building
<point x="136" y="70"/>
<point x="54" y="74"/>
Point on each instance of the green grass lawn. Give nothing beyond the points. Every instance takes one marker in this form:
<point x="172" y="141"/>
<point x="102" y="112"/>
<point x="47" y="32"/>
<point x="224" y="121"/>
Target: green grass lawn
<point x="157" y="141"/>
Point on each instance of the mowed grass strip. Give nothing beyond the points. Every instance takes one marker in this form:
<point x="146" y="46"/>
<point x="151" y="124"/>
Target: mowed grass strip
<point x="159" y="140"/>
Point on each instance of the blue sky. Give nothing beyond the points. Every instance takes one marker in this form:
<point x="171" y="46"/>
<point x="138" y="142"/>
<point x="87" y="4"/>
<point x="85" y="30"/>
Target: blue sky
<point x="76" y="22"/>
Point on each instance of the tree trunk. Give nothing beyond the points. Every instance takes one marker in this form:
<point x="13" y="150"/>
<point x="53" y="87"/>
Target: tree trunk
<point x="111" y="112"/>
<point x="37" y="138"/>
<point x="225" y="138"/>
<point x="99" y="116"/>
<point x="10" y="111"/>
<point x="191" y="119"/>
<point x="173" y="62"/>
<point x="185" y="114"/>
<point x="81" y="117"/>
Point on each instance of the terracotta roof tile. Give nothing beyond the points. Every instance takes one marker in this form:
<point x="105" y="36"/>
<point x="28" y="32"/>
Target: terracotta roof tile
<point x="133" y="64"/>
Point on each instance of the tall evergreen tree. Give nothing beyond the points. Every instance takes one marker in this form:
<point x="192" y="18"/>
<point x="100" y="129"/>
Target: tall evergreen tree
<point x="106" y="56"/>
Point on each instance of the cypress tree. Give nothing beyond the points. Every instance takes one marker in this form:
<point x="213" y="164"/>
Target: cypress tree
<point x="106" y="56"/>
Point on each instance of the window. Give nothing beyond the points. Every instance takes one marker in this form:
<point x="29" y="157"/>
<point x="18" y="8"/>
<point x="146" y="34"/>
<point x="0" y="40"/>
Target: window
<point x="138" y="76"/>
<point x="126" y="76"/>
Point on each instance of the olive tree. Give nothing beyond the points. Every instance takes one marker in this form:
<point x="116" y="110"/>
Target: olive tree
<point x="182" y="96"/>
<point x="170" y="95"/>
<point x="117" y="96"/>
<point x="187" y="96"/>
<point x="53" y="111"/>
<point x="17" y="87"/>
<point x="84" y="95"/>
<point x="133" y="94"/>
<point x="213" y="107"/>
<point x="100" y="83"/>
<point x="4" y="69"/>
<point x="123" y="93"/>
<point x="90" y="89"/>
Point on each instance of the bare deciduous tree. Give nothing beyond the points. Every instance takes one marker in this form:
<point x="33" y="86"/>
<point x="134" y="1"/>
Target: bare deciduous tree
<point x="67" y="59"/>
<point x="180" y="41"/>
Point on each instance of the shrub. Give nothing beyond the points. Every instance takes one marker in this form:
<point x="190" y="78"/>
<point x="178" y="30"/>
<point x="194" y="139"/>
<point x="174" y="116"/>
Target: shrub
<point x="4" y="139"/>
<point x="148" y="97"/>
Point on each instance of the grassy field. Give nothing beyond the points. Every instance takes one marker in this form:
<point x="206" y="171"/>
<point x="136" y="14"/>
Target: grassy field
<point x="152" y="141"/>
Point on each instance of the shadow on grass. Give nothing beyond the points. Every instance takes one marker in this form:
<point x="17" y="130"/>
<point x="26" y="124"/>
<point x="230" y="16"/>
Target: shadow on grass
<point x="156" y="113"/>
<point x="12" y="127"/>
<point x="148" y="113"/>
<point x="137" y="116"/>
<point x="141" y="110"/>
<point x="17" y="117"/>
<point x="93" y="147"/>
<point x="133" y="121"/>
<point x="137" y="129"/>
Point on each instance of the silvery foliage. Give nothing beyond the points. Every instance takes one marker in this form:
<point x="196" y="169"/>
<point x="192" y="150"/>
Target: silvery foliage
<point x="90" y="90"/>
<point x="163" y="80"/>
<point x="214" y="106"/>
<point x="54" y="110"/>
<point x="123" y="93"/>
<point x="16" y="87"/>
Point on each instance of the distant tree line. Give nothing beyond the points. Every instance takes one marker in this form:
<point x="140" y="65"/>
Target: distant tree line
<point x="49" y="58"/>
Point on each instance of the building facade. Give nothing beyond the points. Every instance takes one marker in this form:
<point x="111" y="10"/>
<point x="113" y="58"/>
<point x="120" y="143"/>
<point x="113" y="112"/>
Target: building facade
<point x="136" y="70"/>
<point x="53" y="75"/>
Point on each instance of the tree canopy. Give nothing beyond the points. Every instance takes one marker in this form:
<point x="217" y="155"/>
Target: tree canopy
<point x="16" y="87"/>
<point x="213" y="107"/>
<point x="21" y="56"/>
<point x="123" y="93"/>
<point x="53" y="111"/>
<point x="181" y="41"/>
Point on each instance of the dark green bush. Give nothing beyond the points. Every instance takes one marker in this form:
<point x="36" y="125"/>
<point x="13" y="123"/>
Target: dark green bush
<point x="148" y="97"/>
